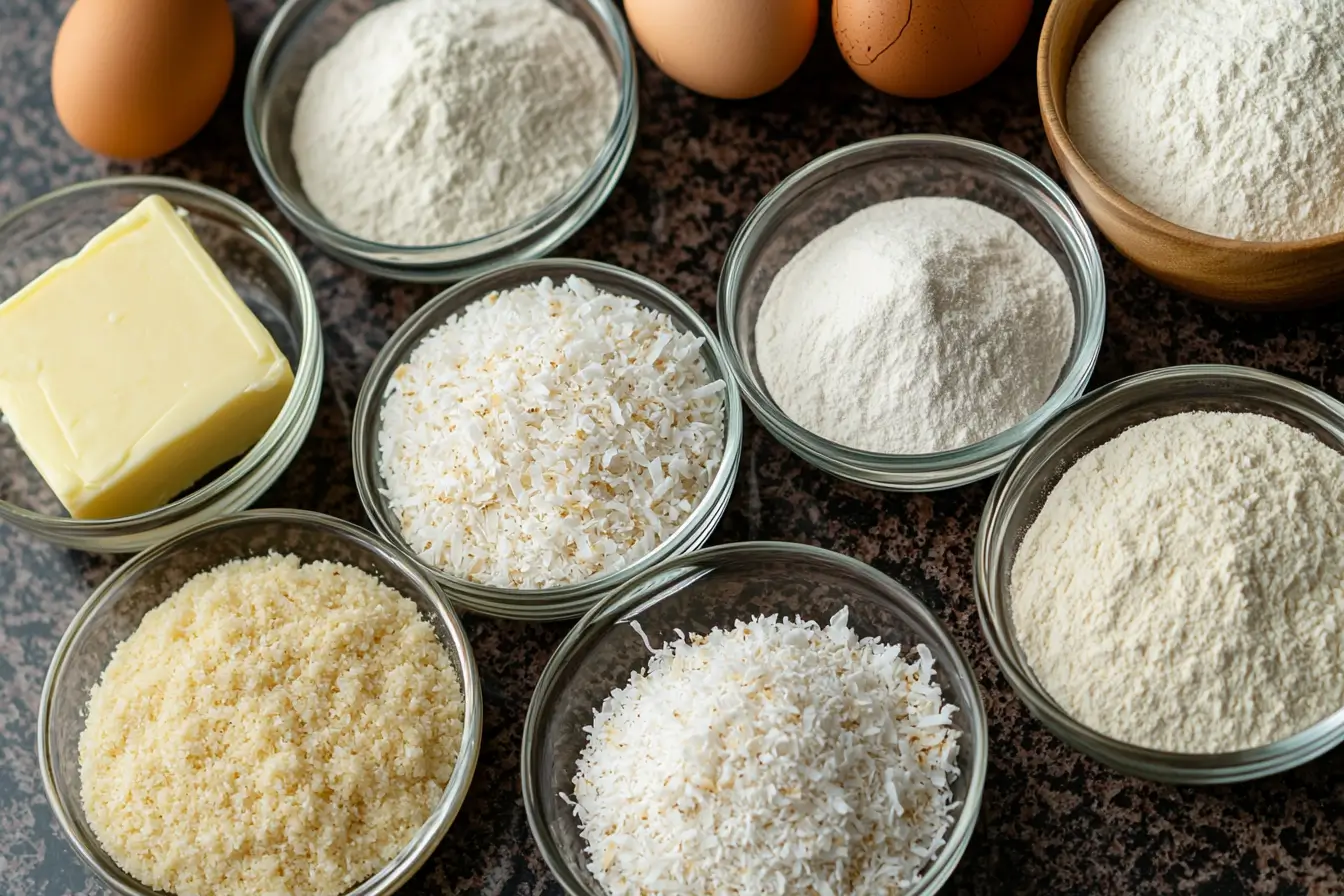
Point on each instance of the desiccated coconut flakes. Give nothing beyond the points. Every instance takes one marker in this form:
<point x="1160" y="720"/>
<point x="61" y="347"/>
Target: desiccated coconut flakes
<point x="548" y="433"/>
<point x="777" y="757"/>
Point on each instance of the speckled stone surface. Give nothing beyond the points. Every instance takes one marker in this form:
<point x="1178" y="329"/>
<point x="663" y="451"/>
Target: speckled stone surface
<point x="1053" y="821"/>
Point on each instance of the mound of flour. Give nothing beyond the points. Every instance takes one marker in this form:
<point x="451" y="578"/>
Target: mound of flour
<point x="1223" y="116"/>
<point x="915" y="326"/>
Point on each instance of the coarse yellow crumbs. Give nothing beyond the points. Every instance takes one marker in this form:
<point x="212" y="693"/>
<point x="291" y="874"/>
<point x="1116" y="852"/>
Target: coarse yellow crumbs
<point x="274" y="727"/>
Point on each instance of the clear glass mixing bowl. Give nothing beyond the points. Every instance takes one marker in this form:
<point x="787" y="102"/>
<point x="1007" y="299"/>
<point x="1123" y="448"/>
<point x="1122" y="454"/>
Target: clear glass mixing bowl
<point x="829" y="189"/>
<point x="561" y="601"/>
<point x="716" y="587"/>
<point x="116" y="608"/>
<point x="263" y="269"/>
<point x="1020" y="492"/>
<point x="304" y="30"/>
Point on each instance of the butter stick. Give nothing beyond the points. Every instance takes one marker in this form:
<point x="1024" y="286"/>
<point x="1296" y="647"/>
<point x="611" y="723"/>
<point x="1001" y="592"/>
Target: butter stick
<point x="132" y="369"/>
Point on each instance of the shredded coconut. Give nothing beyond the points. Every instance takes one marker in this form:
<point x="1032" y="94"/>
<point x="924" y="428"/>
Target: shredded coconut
<point x="436" y="121"/>
<point x="547" y="434"/>
<point x="1224" y="116"/>
<point x="915" y="326"/>
<point x="778" y="757"/>
<point x="1183" y="586"/>
<point x="273" y="727"/>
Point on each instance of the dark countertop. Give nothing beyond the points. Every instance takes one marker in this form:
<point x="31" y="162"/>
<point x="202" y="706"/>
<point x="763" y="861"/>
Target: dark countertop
<point x="1053" y="821"/>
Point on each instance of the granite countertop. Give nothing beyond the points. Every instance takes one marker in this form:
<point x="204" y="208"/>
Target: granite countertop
<point x="1053" y="821"/>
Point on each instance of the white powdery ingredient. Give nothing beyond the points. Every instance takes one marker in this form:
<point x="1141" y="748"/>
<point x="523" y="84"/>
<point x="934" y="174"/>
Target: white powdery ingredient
<point x="777" y="757"/>
<point x="1183" y="586"/>
<point x="915" y="326"/>
<point x="547" y="434"/>
<point x="436" y="121"/>
<point x="1223" y="116"/>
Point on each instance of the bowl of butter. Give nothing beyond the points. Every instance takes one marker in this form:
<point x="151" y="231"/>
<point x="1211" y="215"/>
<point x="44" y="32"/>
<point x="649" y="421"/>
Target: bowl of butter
<point x="160" y="360"/>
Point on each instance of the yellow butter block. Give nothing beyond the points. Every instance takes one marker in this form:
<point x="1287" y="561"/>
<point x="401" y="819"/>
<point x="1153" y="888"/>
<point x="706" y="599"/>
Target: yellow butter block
<point x="133" y="369"/>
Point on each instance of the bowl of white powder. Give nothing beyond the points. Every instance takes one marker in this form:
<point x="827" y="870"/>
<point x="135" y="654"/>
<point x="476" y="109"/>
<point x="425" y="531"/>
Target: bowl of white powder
<point x="430" y="140"/>
<point x="540" y="434"/>
<point x="1205" y="138"/>
<point x="275" y="701"/>
<point x="755" y="718"/>
<point x="1160" y="574"/>
<point x="905" y="311"/>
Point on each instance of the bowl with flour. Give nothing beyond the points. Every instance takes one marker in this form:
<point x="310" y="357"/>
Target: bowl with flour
<point x="430" y="140"/>
<point x="1205" y="138"/>
<point x="905" y="311"/>
<point x="1159" y="571"/>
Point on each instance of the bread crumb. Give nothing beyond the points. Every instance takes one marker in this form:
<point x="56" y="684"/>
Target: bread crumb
<point x="275" y="727"/>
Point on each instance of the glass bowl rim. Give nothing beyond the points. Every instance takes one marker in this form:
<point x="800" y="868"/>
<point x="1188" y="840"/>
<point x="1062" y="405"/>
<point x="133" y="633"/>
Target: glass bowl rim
<point x="1159" y="765"/>
<point x="994" y="450"/>
<point x="574" y="598"/>
<point x="303" y="394"/>
<point x="613" y="154"/>
<point x="631" y="597"/>
<point x="417" y="851"/>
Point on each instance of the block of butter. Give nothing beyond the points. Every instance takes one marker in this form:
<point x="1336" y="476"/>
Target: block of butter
<point x="133" y="368"/>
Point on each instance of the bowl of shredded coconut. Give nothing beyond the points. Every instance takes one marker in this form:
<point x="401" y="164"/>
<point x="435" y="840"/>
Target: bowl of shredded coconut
<point x="903" y="312"/>
<point x="273" y="702"/>
<point x="431" y="140"/>
<point x="538" y="435"/>
<point x="1160" y="574"/>
<point x="758" y="718"/>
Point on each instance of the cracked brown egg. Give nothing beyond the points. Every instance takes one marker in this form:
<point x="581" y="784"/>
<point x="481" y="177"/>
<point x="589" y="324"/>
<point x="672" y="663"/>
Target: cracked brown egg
<point x="927" y="48"/>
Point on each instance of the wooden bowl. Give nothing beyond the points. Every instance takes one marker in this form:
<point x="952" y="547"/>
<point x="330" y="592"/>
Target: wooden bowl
<point x="1234" y="272"/>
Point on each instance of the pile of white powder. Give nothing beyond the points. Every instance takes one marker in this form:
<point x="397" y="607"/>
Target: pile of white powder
<point x="915" y="326"/>
<point x="1183" y="586"/>
<point x="547" y="434"/>
<point x="1223" y="116"/>
<point x="437" y="121"/>
<point x="772" y="759"/>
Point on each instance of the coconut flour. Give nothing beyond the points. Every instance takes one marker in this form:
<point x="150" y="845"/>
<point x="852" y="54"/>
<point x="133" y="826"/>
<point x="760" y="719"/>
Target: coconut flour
<point x="1224" y="116"/>
<point x="915" y="326"/>
<point x="1183" y="586"/>
<point x="436" y="121"/>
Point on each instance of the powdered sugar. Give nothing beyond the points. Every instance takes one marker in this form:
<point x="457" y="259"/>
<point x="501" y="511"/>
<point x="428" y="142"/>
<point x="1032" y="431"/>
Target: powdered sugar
<point x="915" y="326"/>
<point x="1224" y="116"/>
<point x="778" y="757"/>
<point x="1183" y="586"/>
<point x="547" y="434"/>
<point x="436" y="121"/>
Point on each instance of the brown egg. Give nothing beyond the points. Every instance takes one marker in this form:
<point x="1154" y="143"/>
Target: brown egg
<point x="927" y="48"/>
<point x="732" y="49"/>
<point x="133" y="79"/>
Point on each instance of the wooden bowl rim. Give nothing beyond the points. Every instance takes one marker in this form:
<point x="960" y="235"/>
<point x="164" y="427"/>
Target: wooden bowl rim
<point x="1053" y="119"/>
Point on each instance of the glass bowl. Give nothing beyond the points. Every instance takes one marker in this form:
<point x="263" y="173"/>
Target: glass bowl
<point x="302" y="32"/>
<point x="829" y="189"/>
<point x="1021" y="491"/>
<point x="114" y="612"/>
<point x="564" y="601"/>
<point x="261" y="267"/>
<point x="694" y="593"/>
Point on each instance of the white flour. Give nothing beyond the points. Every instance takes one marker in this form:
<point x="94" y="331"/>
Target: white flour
<point x="1224" y="116"/>
<point x="436" y="121"/>
<point x="1183" y="586"/>
<point x="915" y="326"/>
